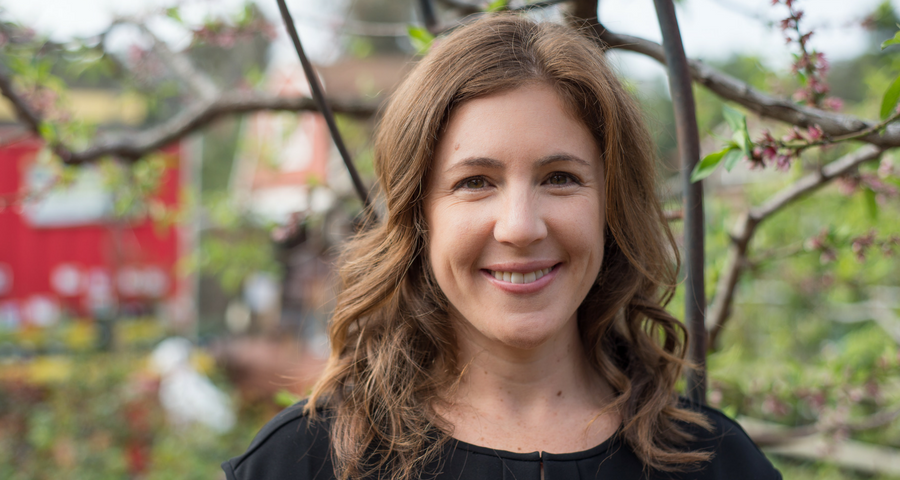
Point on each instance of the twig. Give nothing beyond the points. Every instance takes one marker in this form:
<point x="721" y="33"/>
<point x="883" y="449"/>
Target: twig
<point x="736" y="261"/>
<point x="319" y="97"/>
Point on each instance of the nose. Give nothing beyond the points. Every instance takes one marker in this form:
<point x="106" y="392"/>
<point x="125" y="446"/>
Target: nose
<point x="519" y="221"/>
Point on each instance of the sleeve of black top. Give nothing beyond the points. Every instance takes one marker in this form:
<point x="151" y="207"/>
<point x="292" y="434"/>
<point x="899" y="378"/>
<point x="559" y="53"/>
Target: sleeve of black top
<point x="736" y="456"/>
<point x="290" y="446"/>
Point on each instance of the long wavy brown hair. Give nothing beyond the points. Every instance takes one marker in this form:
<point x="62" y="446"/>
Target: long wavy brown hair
<point x="393" y="350"/>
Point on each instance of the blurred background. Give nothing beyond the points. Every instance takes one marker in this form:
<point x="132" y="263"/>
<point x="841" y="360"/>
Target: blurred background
<point x="166" y="292"/>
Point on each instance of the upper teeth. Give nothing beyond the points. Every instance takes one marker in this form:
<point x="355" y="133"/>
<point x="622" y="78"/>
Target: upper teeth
<point x="516" y="277"/>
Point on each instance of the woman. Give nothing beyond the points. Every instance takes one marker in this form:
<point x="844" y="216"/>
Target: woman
<point x="507" y="310"/>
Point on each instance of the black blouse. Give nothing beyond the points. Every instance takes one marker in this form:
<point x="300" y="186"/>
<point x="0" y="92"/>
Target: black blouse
<point x="290" y="446"/>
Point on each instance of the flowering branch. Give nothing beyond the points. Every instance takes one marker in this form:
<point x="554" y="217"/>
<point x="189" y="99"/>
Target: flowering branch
<point x="832" y="124"/>
<point x="736" y="261"/>
<point x="810" y="68"/>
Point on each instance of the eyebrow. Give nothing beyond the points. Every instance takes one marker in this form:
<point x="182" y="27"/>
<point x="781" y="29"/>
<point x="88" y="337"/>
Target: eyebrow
<point x="487" y="162"/>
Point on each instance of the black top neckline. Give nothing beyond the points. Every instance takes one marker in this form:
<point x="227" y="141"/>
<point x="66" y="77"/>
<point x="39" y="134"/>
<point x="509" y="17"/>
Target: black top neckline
<point x="294" y="446"/>
<point x="600" y="449"/>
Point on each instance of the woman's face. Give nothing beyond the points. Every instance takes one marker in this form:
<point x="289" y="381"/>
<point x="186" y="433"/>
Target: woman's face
<point x="515" y="215"/>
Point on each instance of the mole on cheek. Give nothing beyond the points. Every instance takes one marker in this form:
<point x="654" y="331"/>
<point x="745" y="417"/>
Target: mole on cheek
<point x="456" y="147"/>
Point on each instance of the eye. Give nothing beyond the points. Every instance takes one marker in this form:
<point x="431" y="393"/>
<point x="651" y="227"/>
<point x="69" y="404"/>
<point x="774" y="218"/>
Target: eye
<point x="560" y="179"/>
<point x="474" y="183"/>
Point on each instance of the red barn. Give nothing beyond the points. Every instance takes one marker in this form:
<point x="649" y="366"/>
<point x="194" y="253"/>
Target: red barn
<point x="64" y="254"/>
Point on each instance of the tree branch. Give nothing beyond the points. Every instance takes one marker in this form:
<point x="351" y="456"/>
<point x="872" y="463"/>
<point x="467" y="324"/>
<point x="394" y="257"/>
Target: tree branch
<point x="813" y="442"/>
<point x="24" y="112"/>
<point x="729" y="88"/>
<point x="720" y="310"/>
<point x="134" y="146"/>
<point x="771" y="435"/>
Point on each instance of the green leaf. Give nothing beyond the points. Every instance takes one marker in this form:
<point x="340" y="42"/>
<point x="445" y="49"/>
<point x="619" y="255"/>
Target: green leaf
<point x="420" y="37"/>
<point x="496" y="6"/>
<point x="736" y="120"/>
<point x="892" y="41"/>
<point x="738" y="123"/>
<point x="732" y="157"/>
<point x="174" y="14"/>
<point x="891" y="95"/>
<point x="708" y="164"/>
<point x="49" y="132"/>
<point x="871" y="203"/>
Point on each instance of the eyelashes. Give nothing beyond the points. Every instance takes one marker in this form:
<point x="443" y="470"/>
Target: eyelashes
<point x="555" y="179"/>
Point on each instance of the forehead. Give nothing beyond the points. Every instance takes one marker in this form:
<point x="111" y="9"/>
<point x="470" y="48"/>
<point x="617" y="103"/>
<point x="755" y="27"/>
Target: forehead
<point x="523" y="123"/>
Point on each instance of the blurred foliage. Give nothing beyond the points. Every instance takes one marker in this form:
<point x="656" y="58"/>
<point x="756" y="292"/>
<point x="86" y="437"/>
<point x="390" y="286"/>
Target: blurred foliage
<point x="102" y="420"/>
<point x="234" y="246"/>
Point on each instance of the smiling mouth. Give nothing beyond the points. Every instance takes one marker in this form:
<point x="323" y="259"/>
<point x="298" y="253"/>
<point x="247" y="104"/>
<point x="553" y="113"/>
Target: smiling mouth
<point x="517" y="277"/>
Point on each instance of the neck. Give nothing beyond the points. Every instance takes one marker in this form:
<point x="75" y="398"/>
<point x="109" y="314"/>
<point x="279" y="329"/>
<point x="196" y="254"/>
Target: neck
<point x="543" y="398"/>
<point x="524" y="382"/>
<point x="525" y="378"/>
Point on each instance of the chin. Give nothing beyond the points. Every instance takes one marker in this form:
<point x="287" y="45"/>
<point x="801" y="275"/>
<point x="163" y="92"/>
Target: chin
<point x="528" y="337"/>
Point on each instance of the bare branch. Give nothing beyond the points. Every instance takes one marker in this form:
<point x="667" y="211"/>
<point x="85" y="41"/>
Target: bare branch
<point x="134" y="146"/>
<point x="729" y="88"/>
<point x="720" y="310"/>
<point x="776" y="435"/>
<point x="464" y="8"/>
<point x="198" y="81"/>
<point x="814" y="443"/>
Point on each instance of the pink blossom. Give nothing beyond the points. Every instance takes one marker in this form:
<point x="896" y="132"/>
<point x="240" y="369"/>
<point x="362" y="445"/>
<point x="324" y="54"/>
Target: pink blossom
<point x="794" y="135"/>
<point x="886" y="167"/>
<point x="847" y="185"/>
<point x="834" y="104"/>
<point x="815" y="132"/>
<point x="783" y="162"/>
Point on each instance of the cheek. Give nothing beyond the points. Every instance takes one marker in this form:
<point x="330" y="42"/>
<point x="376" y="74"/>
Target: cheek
<point x="456" y="239"/>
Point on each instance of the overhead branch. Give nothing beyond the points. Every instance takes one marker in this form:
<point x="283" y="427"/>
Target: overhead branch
<point x="181" y="66"/>
<point x="736" y="260"/>
<point x="23" y="110"/>
<point x="194" y="118"/>
<point x="729" y="88"/>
